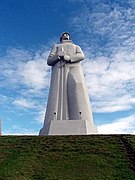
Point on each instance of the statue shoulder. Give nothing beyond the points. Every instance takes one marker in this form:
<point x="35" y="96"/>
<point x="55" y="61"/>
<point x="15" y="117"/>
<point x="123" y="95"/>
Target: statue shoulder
<point x="77" y="46"/>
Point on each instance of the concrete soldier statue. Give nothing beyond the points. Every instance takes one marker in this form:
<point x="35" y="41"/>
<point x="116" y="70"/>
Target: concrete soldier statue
<point x="68" y="110"/>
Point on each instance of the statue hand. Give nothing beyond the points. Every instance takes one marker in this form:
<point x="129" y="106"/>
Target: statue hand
<point x="66" y="58"/>
<point x="61" y="53"/>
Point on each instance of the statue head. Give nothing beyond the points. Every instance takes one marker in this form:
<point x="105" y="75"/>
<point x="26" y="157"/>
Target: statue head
<point x="65" y="36"/>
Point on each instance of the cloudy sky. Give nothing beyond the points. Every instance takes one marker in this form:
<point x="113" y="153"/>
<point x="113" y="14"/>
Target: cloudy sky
<point x="105" y="30"/>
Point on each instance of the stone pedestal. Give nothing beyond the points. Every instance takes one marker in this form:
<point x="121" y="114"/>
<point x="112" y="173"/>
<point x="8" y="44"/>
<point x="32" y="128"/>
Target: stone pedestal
<point x="68" y="127"/>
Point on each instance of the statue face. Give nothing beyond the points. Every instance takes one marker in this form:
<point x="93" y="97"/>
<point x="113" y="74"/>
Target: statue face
<point x="65" y="36"/>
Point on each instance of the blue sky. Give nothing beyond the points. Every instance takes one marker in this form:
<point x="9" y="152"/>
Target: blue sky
<point x="105" y="29"/>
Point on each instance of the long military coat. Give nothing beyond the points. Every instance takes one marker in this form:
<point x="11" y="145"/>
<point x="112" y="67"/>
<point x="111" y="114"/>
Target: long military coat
<point x="68" y="97"/>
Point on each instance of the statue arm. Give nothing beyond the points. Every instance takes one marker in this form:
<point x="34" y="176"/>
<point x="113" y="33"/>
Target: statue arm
<point x="53" y="57"/>
<point x="79" y="56"/>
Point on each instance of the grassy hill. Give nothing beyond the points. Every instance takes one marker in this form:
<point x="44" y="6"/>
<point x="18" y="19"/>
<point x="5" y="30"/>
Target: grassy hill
<point x="93" y="157"/>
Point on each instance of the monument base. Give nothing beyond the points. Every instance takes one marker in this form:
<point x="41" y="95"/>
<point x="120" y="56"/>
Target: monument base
<point x="68" y="127"/>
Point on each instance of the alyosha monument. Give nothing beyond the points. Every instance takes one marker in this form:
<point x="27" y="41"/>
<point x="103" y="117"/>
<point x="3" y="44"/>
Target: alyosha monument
<point x="68" y="109"/>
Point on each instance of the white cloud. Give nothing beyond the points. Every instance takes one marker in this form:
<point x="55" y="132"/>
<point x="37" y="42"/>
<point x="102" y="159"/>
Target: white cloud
<point x="41" y="116"/>
<point x="21" y="67"/>
<point x="19" y="130"/>
<point x="33" y="73"/>
<point x="120" y="126"/>
<point x="105" y="26"/>
<point x="4" y="99"/>
<point x="24" y="77"/>
<point x="24" y="103"/>
<point x="18" y="54"/>
<point x="111" y="85"/>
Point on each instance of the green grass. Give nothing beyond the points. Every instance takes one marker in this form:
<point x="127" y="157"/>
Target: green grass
<point x="94" y="157"/>
<point x="131" y="140"/>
